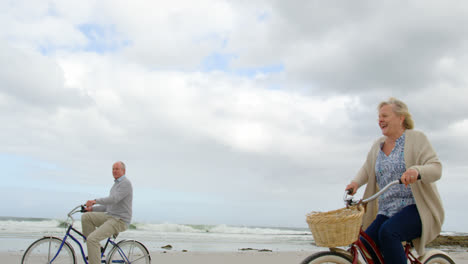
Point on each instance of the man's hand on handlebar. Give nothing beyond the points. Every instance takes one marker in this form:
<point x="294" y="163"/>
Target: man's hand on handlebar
<point x="89" y="205"/>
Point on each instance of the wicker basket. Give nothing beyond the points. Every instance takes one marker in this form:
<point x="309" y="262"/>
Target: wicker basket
<point x="336" y="228"/>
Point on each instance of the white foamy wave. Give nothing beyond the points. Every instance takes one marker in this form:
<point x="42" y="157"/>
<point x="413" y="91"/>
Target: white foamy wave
<point x="253" y="230"/>
<point x="56" y="226"/>
<point x="33" y="227"/>
<point x="166" y="227"/>
<point x="453" y="233"/>
<point x="28" y="226"/>
<point x="219" y="229"/>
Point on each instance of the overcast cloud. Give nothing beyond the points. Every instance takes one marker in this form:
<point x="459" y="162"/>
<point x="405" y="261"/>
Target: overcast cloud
<point x="225" y="112"/>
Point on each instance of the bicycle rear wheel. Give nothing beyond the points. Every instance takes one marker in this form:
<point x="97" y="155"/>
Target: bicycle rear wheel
<point x="44" y="250"/>
<point x="328" y="257"/>
<point x="439" y="259"/>
<point x="129" y="251"/>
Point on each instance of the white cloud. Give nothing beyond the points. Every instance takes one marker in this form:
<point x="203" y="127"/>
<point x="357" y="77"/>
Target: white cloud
<point x="233" y="111"/>
<point x="34" y="79"/>
<point x="283" y="137"/>
<point x="171" y="35"/>
<point x="460" y="128"/>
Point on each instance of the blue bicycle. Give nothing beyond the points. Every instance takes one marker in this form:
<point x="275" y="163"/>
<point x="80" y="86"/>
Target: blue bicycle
<point x="56" y="250"/>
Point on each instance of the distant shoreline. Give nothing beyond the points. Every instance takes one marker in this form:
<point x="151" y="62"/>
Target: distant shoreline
<point x="17" y="218"/>
<point x="444" y="240"/>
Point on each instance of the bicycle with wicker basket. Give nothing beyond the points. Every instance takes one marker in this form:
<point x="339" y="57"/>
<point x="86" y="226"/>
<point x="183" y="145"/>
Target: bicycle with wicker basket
<point x="343" y="227"/>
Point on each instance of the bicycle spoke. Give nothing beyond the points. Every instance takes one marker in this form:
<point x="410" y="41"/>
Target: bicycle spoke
<point x="129" y="252"/>
<point x="48" y="253"/>
<point x="46" y="249"/>
<point x="142" y="257"/>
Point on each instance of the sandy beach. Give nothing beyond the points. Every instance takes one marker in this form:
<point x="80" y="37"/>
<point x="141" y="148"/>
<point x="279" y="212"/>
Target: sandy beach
<point x="171" y="257"/>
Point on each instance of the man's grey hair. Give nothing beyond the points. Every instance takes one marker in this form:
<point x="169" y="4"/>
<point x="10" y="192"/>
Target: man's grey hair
<point x="123" y="165"/>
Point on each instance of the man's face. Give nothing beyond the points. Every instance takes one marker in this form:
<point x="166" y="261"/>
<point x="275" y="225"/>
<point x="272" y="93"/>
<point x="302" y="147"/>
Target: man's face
<point x="117" y="170"/>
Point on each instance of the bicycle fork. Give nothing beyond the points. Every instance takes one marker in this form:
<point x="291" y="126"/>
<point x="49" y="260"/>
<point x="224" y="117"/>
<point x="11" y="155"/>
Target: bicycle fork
<point x="61" y="245"/>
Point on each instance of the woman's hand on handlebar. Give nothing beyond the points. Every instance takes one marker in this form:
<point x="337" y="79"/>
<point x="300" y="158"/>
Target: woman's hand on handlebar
<point x="409" y="176"/>
<point x="352" y="188"/>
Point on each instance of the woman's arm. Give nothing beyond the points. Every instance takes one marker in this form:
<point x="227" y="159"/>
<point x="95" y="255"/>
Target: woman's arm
<point x="427" y="163"/>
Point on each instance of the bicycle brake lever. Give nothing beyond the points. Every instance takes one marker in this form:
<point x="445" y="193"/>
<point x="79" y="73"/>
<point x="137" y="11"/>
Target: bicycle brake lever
<point x="348" y="198"/>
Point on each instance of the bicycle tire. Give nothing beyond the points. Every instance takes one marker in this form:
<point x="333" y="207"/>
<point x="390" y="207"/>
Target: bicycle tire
<point x="135" y="252"/>
<point x="439" y="259"/>
<point x="44" y="249"/>
<point x="328" y="257"/>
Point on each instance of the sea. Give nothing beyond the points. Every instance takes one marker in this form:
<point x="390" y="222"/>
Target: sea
<point x="16" y="234"/>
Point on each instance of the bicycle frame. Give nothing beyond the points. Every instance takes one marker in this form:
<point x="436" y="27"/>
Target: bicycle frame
<point x="83" y="255"/>
<point x="68" y="234"/>
<point x="359" y="247"/>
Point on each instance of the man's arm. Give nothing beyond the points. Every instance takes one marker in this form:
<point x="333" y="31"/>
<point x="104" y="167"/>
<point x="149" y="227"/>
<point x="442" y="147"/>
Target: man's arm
<point x="91" y="208"/>
<point x="117" y="194"/>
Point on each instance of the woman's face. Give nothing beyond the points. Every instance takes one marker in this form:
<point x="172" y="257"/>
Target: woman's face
<point x="389" y="122"/>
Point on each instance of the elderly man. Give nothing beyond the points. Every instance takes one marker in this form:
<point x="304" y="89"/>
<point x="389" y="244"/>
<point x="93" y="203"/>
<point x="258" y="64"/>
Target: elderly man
<point x="110" y="216"/>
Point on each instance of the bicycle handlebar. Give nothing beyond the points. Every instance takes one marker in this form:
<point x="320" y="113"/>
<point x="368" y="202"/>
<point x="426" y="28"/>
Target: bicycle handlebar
<point x="373" y="197"/>
<point x="78" y="209"/>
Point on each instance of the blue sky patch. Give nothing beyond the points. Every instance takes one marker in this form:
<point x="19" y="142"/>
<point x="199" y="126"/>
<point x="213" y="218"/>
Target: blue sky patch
<point x="102" y="39"/>
<point x="251" y="72"/>
<point x="263" y="16"/>
<point x="221" y="62"/>
<point x="24" y="167"/>
<point x="217" y="61"/>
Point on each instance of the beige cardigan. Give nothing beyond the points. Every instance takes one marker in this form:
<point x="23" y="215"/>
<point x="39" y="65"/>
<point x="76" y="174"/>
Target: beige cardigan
<point x="419" y="155"/>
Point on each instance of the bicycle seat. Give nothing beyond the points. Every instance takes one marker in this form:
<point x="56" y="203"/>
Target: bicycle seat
<point x="115" y="235"/>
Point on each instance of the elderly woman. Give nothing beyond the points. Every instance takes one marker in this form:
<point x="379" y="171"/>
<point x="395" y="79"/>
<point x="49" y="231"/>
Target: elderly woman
<point x="412" y="211"/>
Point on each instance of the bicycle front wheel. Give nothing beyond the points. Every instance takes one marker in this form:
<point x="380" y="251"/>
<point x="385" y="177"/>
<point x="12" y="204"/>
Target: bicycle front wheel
<point x="130" y="252"/>
<point x="328" y="257"/>
<point x="439" y="259"/>
<point x="45" y="249"/>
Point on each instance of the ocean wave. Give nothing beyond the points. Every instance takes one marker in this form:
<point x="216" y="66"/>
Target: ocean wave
<point x="27" y="225"/>
<point x="219" y="229"/>
<point x="35" y="225"/>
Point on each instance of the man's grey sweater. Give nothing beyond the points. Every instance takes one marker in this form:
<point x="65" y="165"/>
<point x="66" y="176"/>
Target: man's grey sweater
<point x="119" y="202"/>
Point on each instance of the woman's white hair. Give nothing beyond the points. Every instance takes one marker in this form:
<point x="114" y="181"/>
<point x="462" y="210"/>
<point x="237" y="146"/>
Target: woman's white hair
<point x="400" y="109"/>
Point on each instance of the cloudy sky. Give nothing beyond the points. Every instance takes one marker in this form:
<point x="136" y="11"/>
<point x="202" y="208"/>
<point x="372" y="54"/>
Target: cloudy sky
<point x="225" y="112"/>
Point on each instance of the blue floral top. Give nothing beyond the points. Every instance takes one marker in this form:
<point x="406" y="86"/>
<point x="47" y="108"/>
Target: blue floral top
<point x="390" y="168"/>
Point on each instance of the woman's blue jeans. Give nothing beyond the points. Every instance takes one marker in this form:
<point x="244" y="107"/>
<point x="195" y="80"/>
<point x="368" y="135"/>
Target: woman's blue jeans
<point x="388" y="233"/>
